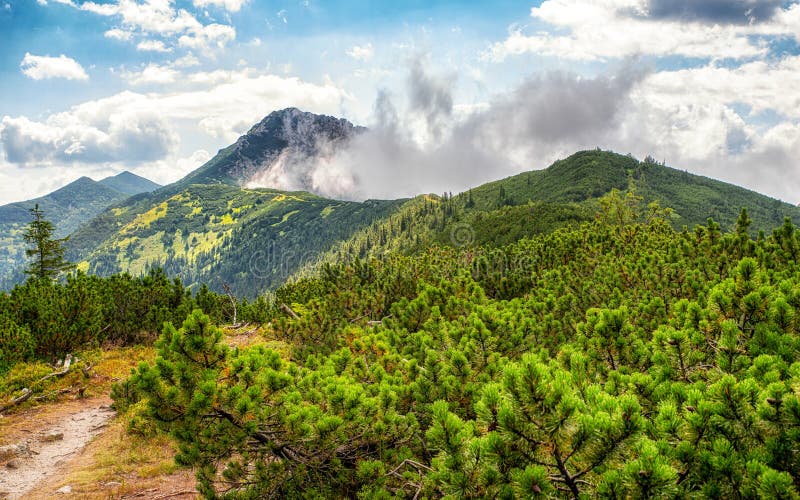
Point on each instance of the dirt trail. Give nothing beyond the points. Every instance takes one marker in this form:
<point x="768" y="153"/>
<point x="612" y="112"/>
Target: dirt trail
<point x="52" y="440"/>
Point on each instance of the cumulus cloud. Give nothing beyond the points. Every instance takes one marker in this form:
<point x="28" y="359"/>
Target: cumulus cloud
<point x="143" y="129"/>
<point x="209" y="36"/>
<point x="45" y="67"/>
<point x="600" y="30"/>
<point x="96" y="134"/>
<point x="159" y="17"/>
<point x="152" y="74"/>
<point x="118" y="34"/>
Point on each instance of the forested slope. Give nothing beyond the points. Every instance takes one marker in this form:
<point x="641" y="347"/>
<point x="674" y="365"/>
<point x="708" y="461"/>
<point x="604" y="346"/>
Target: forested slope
<point x="588" y="175"/>
<point x="219" y="234"/>
<point x="68" y="208"/>
<point x="615" y="359"/>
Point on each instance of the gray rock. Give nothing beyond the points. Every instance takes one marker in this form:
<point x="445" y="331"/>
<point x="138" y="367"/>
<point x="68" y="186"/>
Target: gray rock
<point x="55" y="436"/>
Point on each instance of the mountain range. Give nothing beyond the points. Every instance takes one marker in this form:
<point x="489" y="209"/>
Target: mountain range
<point x="214" y="227"/>
<point x="67" y="208"/>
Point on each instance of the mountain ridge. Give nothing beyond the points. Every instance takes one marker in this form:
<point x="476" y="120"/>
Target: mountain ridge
<point x="208" y="226"/>
<point x="129" y="183"/>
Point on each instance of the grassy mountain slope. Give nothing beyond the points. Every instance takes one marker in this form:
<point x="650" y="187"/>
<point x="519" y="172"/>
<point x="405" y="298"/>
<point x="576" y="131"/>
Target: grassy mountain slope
<point x="215" y="234"/>
<point x="67" y="208"/>
<point x="129" y="183"/>
<point x="590" y="174"/>
<point x="428" y="219"/>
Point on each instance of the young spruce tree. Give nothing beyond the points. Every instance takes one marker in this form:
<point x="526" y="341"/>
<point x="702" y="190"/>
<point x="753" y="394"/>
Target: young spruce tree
<point x="47" y="252"/>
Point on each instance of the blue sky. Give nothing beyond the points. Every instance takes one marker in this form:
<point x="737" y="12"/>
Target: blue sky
<point x="158" y="86"/>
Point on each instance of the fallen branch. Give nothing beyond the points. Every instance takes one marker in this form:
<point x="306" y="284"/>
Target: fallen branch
<point x="26" y="394"/>
<point x="289" y="311"/>
<point x="64" y="371"/>
<point x="52" y="393"/>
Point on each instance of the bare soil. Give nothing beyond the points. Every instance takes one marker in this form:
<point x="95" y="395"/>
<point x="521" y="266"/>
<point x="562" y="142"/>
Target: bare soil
<point x="53" y="437"/>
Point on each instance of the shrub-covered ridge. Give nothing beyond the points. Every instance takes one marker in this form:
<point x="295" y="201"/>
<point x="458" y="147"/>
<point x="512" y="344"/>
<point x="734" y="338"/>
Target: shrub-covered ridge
<point x="617" y="359"/>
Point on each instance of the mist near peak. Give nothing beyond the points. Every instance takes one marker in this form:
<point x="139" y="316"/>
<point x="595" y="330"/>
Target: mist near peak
<point x="426" y="148"/>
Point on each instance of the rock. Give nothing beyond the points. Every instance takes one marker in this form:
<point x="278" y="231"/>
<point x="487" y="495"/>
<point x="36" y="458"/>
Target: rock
<point x="11" y="451"/>
<point x="64" y="490"/>
<point x="55" y="436"/>
<point x="13" y="464"/>
<point x="112" y="484"/>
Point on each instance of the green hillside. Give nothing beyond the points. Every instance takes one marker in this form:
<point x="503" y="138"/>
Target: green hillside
<point x="589" y="174"/>
<point x="619" y="358"/>
<point x="215" y="234"/>
<point x="67" y="208"/>
<point x="540" y="201"/>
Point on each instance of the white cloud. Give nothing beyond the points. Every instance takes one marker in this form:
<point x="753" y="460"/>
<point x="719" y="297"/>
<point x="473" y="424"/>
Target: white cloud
<point x="152" y="74"/>
<point x="64" y="2"/>
<point x="223" y="127"/>
<point x="187" y="61"/>
<point x="361" y="52"/>
<point x="229" y="5"/>
<point x="761" y="85"/>
<point x="96" y="133"/>
<point x="166" y="171"/>
<point x="44" y="67"/>
<point x="209" y="36"/>
<point x="118" y="34"/>
<point x="605" y="29"/>
<point x="152" y="16"/>
<point x="152" y="46"/>
<point x="159" y="17"/>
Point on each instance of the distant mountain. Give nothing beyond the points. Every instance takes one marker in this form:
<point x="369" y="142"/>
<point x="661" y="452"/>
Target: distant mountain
<point x="283" y="141"/>
<point x="129" y="183"/>
<point x="587" y="175"/>
<point x="67" y="208"/>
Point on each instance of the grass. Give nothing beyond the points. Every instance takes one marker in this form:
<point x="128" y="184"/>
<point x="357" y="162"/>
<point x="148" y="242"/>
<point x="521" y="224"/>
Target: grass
<point x="108" y="366"/>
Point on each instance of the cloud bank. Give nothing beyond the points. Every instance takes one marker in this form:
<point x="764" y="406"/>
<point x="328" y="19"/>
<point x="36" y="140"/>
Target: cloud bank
<point x="427" y="148"/>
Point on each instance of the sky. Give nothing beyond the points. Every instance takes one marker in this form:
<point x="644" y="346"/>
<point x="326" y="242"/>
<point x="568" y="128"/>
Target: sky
<point x="455" y="93"/>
